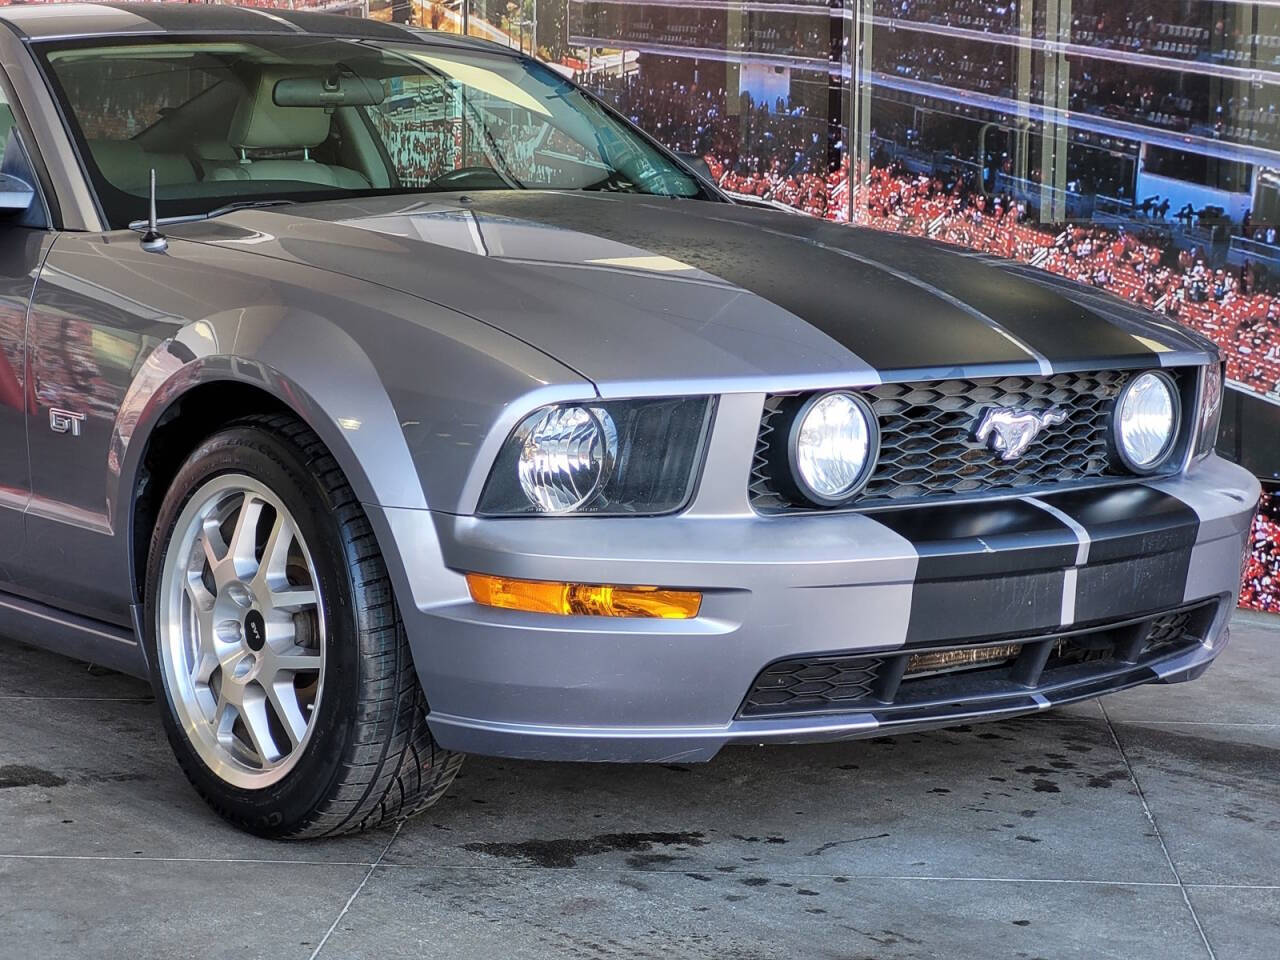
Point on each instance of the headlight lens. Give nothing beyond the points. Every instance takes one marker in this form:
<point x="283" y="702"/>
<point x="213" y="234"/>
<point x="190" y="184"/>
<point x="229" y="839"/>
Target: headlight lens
<point x="1210" y="410"/>
<point x="566" y="453"/>
<point x="612" y="457"/>
<point x="1146" y="421"/>
<point x="832" y="447"/>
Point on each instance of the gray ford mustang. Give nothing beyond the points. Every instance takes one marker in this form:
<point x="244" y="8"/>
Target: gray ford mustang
<point x="383" y="397"/>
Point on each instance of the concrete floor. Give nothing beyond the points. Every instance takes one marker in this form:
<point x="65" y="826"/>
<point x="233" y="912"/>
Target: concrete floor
<point x="1147" y="827"/>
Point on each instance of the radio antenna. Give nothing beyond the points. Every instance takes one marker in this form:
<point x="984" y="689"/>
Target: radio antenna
<point x="153" y="241"/>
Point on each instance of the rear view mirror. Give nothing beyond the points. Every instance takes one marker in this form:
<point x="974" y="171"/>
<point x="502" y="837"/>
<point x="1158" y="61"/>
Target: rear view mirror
<point x="335" y="90"/>
<point x="15" y="193"/>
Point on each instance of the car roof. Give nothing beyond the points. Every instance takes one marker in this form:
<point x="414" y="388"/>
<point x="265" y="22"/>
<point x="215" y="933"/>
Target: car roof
<point x="63" y="21"/>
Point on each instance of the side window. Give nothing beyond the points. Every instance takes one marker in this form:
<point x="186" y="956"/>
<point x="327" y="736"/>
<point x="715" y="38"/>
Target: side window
<point x="16" y="163"/>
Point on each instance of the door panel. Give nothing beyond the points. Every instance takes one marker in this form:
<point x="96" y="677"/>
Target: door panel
<point x="21" y="252"/>
<point x="87" y="341"/>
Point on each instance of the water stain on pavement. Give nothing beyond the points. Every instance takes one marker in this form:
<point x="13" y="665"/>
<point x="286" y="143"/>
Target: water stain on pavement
<point x="20" y="775"/>
<point x="564" y="852"/>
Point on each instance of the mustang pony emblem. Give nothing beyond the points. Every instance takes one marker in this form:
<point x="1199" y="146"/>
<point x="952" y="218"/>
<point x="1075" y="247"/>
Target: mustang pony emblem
<point x="1010" y="430"/>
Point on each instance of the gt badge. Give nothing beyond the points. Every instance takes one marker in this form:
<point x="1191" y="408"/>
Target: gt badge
<point x="1009" y="430"/>
<point x="65" y="421"/>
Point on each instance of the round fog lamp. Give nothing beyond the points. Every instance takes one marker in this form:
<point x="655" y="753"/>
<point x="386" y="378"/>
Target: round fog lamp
<point x="564" y="456"/>
<point x="1146" y="422"/>
<point x="832" y="446"/>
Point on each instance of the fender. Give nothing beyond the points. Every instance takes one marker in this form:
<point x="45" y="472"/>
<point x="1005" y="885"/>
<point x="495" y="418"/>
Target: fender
<point x="351" y="413"/>
<point x="332" y="385"/>
<point x="356" y="422"/>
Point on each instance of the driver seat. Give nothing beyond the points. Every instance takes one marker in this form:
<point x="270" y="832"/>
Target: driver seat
<point x="260" y="124"/>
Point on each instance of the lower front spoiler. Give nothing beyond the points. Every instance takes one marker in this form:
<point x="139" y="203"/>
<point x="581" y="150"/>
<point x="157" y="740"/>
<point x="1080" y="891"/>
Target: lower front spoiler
<point x="695" y="744"/>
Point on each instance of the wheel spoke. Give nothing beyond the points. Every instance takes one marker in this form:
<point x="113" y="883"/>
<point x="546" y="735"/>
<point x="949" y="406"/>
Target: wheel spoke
<point x="243" y="548"/>
<point x="297" y="660"/>
<point x="293" y="599"/>
<point x="198" y="593"/>
<point x="284" y="701"/>
<point x="253" y="714"/>
<point x="224" y="715"/>
<point x="215" y="550"/>
<point x="275" y="553"/>
<point x="205" y="664"/>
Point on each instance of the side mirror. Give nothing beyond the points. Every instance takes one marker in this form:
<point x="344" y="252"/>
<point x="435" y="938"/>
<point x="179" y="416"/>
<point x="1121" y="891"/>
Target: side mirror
<point x="699" y="166"/>
<point x="16" y="195"/>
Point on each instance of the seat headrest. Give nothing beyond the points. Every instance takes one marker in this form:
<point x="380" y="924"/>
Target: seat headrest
<point x="127" y="166"/>
<point x="259" y="123"/>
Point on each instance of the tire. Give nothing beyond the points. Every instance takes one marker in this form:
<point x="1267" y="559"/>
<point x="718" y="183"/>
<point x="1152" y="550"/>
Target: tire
<point x="314" y="722"/>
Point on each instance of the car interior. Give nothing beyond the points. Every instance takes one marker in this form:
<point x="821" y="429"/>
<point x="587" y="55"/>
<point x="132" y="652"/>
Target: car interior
<point x="330" y="147"/>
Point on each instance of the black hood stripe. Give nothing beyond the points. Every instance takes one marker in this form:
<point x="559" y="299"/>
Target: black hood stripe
<point x="915" y="281"/>
<point x="1062" y="327"/>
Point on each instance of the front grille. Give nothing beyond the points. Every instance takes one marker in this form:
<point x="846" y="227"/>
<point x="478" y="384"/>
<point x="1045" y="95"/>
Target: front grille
<point x="922" y="678"/>
<point x="927" y="447"/>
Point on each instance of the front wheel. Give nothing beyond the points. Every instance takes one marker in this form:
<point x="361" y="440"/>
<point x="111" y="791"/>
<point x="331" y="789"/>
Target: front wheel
<point x="276" y="648"/>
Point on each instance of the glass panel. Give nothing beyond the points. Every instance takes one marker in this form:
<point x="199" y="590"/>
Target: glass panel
<point x="750" y="87"/>
<point x="231" y="120"/>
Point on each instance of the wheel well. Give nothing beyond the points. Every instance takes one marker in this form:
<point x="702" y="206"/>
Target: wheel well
<point x="192" y="418"/>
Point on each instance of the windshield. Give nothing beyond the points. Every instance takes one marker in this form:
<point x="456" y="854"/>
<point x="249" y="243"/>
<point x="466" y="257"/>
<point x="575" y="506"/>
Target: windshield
<point x="278" y="118"/>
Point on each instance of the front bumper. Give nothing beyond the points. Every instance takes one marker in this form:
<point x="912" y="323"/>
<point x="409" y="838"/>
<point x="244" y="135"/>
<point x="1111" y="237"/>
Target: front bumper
<point x="778" y="588"/>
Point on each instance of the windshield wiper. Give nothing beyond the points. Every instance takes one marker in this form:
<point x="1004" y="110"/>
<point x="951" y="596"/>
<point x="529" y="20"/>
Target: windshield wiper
<point x="245" y="205"/>
<point x="215" y="212"/>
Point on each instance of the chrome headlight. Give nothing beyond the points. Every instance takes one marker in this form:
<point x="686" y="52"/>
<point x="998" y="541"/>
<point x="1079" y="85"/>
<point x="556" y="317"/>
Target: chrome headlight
<point x="566" y="454"/>
<point x="833" y="446"/>
<point x="610" y="457"/>
<point x="1146" y="421"/>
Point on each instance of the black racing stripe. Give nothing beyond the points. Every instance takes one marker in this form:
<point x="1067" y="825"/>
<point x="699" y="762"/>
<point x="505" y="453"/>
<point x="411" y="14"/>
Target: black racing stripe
<point x="965" y="609"/>
<point x="982" y="539"/>
<point x="1064" y="328"/>
<point x="887" y="321"/>
<point x="185" y="18"/>
<point x="1140" y="543"/>
<point x="1130" y="521"/>
<point x="1131" y="586"/>
<point x="321" y="23"/>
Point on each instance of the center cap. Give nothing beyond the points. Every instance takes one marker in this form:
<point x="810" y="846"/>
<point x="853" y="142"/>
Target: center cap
<point x="255" y="630"/>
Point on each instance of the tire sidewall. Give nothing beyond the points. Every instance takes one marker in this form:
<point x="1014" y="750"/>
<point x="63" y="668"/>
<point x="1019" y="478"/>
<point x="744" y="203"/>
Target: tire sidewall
<point x="281" y="807"/>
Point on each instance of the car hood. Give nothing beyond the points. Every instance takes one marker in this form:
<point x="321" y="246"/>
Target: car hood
<point x="643" y="293"/>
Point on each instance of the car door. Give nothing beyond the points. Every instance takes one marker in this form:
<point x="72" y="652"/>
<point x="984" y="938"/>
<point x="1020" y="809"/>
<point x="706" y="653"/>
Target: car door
<point x="87" y="341"/>
<point x="25" y="239"/>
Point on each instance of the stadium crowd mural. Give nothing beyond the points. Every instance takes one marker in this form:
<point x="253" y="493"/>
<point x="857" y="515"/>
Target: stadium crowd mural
<point x="1046" y="131"/>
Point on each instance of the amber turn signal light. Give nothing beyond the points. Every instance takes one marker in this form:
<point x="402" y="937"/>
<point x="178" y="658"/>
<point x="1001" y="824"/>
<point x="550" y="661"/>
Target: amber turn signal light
<point x="583" y="599"/>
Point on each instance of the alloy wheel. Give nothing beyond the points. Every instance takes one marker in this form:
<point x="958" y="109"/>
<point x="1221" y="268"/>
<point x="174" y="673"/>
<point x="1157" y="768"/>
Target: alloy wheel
<point x="241" y="631"/>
